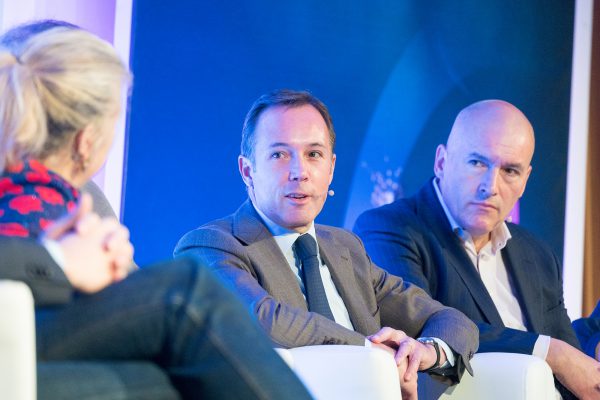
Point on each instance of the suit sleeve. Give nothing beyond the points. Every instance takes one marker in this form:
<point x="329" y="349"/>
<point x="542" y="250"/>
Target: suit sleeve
<point x="286" y="325"/>
<point x="399" y="247"/>
<point x="407" y="307"/>
<point x="588" y="331"/>
<point x="28" y="261"/>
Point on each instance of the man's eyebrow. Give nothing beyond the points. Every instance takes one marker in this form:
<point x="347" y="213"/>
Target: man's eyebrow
<point x="279" y="144"/>
<point x="517" y="166"/>
<point x="481" y="157"/>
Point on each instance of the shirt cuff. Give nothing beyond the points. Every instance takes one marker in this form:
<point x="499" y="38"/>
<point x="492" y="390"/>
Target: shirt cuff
<point x="55" y="252"/>
<point x="448" y="351"/>
<point x="541" y="346"/>
<point x="368" y="343"/>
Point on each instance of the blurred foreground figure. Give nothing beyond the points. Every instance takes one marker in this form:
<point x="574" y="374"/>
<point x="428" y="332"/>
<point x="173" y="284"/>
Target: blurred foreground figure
<point x="171" y="324"/>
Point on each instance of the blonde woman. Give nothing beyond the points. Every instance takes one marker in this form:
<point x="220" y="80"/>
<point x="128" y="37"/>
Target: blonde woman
<point x="59" y="114"/>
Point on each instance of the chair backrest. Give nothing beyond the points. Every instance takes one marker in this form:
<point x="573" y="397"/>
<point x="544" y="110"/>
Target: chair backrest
<point x="505" y="376"/>
<point x="345" y="372"/>
<point x="17" y="342"/>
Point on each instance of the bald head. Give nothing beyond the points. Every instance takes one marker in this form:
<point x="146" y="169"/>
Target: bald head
<point x="483" y="169"/>
<point x="498" y="119"/>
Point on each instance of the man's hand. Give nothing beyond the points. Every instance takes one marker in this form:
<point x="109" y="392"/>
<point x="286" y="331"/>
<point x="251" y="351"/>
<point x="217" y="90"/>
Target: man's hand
<point x="97" y="251"/>
<point x="410" y="356"/>
<point x="578" y="372"/>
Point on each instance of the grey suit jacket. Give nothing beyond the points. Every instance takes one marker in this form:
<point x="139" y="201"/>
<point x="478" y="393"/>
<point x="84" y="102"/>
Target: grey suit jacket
<point x="243" y="251"/>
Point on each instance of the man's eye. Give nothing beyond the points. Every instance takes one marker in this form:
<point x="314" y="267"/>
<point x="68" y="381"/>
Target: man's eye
<point x="315" y="154"/>
<point x="476" y="163"/>
<point x="512" y="172"/>
<point x="277" y="154"/>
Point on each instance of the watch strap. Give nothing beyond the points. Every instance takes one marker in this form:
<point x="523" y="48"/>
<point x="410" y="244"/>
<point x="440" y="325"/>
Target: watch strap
<point x="436" y="346"/>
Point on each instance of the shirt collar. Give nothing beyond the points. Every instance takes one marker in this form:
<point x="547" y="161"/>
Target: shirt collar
<point x="284" y="237"/>
<point x="499" y="237"/>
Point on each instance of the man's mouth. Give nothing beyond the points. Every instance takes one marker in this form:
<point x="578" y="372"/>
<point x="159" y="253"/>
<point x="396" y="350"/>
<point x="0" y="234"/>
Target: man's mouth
<point x="485" y="206"/>
<point x="296" y="195"/>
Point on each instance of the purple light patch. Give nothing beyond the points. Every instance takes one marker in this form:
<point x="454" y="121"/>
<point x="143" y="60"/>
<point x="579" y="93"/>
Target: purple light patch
<point x="514" y="214"/>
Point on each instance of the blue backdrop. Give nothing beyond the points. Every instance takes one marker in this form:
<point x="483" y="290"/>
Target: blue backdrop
<point x="393" y="73"/>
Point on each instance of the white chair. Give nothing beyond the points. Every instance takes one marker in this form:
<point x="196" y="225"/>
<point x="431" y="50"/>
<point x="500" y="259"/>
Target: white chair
<point x="17" y="342"/>
<point x="505" y="376"/>
<point x="345" y="372"/>
<point x="329" y="372"/>
<point x="356" y="373"/>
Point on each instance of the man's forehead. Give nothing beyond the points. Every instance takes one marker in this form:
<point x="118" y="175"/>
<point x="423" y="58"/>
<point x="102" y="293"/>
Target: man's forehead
<point x="287" y="126"/>
<point x="293" y="143"/>
<point x="278" y="113"/>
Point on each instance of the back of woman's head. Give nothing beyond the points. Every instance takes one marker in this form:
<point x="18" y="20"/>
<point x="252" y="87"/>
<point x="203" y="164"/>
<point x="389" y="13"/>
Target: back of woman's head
<point x="59" y="82"/>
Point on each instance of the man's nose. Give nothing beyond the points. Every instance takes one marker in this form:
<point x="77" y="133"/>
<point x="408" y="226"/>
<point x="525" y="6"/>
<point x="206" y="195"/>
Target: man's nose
<point x="298" y="169"/>
<point x="489" y="183"/>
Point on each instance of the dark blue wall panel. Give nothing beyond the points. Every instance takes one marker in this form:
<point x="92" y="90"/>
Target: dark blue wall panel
<point x="394" y="74"/>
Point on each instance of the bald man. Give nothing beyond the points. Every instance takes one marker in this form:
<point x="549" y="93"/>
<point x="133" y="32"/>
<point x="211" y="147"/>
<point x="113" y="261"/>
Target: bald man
<point x="452" y="240"/>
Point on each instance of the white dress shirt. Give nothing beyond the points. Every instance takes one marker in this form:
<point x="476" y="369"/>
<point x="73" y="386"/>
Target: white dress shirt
<point x="55" y="252"/>
<point x="491" y="268"/>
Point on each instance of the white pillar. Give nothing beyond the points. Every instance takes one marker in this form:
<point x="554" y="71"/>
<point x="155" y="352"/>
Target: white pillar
<point x="577" y="158"/>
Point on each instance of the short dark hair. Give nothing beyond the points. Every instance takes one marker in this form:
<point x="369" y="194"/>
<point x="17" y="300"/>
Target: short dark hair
<point x="15" y="37"/>
<point x="286" y="98"/>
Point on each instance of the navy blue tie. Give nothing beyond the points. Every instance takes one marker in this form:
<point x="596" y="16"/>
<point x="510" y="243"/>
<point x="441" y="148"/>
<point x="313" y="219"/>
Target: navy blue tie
<point x="306" y="249"/>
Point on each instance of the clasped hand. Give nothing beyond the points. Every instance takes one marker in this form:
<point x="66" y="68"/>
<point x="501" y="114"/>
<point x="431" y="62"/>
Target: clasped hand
<point x="410" y="356"/>
<point x="97" y="251"/>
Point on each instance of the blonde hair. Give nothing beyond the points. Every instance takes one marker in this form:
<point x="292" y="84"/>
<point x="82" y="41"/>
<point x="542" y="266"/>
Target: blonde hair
<point x="59" y="82"/>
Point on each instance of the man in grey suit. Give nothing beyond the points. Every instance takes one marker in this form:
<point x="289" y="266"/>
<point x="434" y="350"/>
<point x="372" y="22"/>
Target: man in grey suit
<point x="287" y="164"/>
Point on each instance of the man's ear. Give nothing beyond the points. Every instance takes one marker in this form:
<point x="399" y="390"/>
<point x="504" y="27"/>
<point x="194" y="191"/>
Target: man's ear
<point x="333" y="158"/>
<point x="246" y="168"/>
<point x="440" y="161"/>
<point x="527" y="174"/>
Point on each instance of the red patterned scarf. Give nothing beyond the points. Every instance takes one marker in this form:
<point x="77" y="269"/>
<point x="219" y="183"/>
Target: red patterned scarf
<point x="31" y="197"/>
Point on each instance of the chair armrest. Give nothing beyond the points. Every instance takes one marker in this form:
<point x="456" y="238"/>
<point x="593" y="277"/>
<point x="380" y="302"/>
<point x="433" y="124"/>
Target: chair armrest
<point x="17" y="342"/>
<point x="505" y="376"/>
<point x="345" y="372"/>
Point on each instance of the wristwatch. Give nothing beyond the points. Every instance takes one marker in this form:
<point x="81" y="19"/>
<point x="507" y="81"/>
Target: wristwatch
<point x="436" y="346"/>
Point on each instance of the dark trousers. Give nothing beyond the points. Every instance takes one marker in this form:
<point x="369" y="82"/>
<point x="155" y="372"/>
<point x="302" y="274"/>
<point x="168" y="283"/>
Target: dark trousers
<point x="181" y="317"/>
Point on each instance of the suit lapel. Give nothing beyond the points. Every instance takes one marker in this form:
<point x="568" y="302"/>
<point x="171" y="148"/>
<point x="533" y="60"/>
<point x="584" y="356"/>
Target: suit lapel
<point x="273" y="270"/>
<point x="521" y="270"/>
<point x="431" y="211"/>
<point x="338" y="260"/>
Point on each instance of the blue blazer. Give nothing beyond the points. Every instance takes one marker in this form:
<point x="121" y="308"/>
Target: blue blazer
<point x="588" y="331"/>
<point x="412" y="238"/>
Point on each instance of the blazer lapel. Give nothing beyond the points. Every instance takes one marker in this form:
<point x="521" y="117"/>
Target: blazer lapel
<point x="271" y="267"/>
<point x="337" y="258"/>
<point x="522" y="270"/>
<point x="431" y="211"/>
